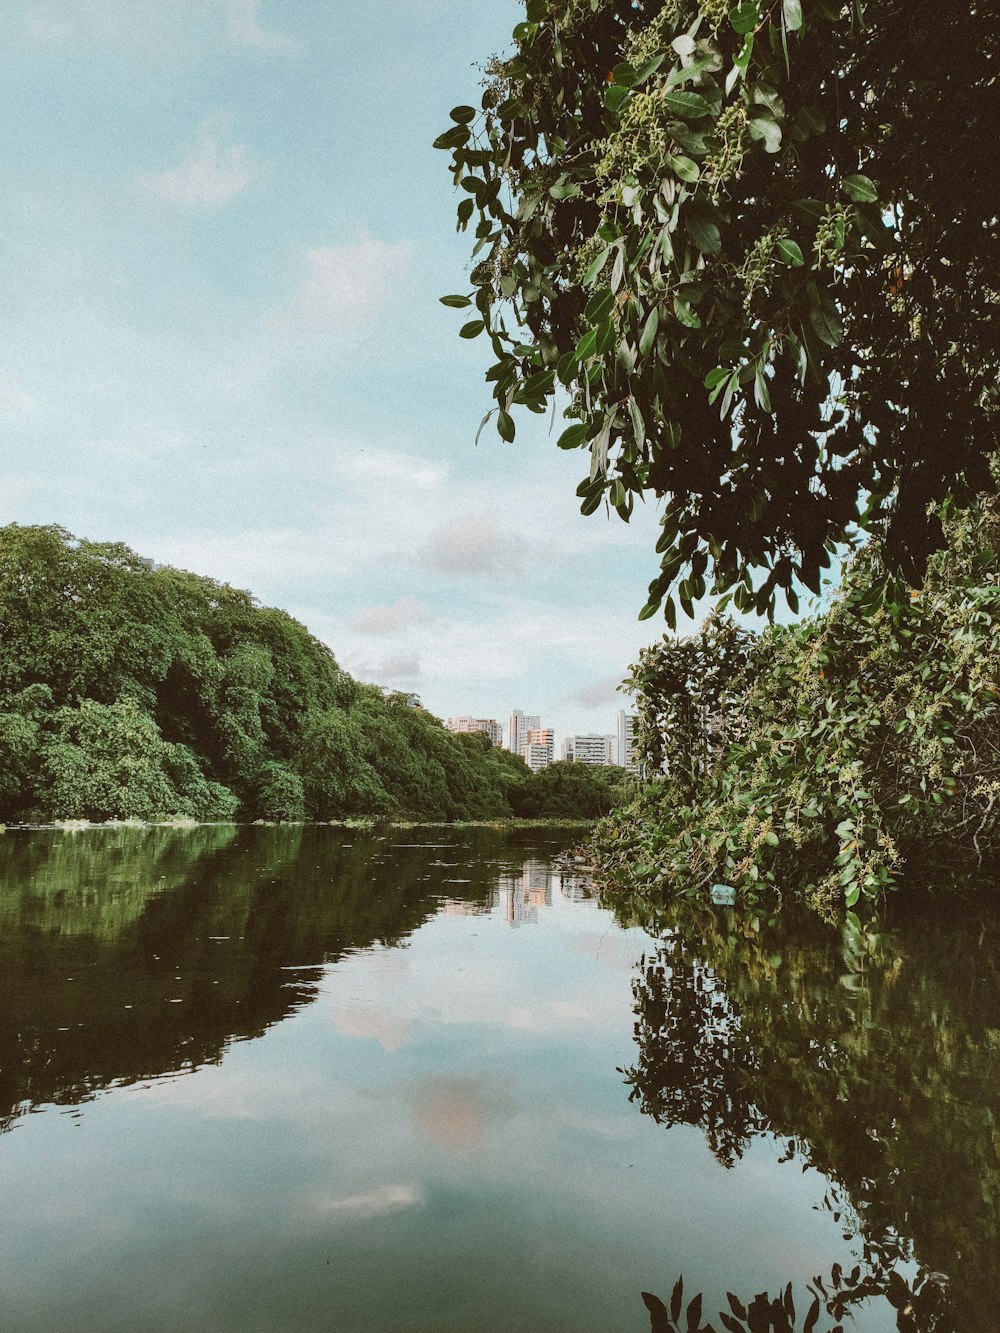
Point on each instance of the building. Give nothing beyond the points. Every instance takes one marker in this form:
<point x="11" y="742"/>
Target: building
<point x="539" y="747"/>
<point x="489" y="725"/>
<point x="626" y="756"/>
<point x="518" y="727"/>
<point x="590" y="749"/>
<point x="567" y="750"/>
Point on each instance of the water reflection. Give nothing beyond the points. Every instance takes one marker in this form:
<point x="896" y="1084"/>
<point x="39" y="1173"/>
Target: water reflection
<point x="446" y="1100"/>
<point x="920" y="1306"/>
<point x="874" y="1054"/>
<point x="126" y="953"/>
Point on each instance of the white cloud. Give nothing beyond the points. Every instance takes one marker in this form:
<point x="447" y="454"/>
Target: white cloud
<point x="212" y="173"/>
<point x="601" y="693"/>
<point x="400" y="669"/>
<point x="380" y="621"/>
<point x="255" y="559"/>
<point x="473" y="546"/>
<point x="244" y="29"/>
<point x="345" y="285"/>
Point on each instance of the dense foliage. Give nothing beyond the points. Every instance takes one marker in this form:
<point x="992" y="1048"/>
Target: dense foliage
<point x="572" y="791"/>
<point x="832" y="757"/>
<point x="758" y="247"/>
<point x="134" y="691"/>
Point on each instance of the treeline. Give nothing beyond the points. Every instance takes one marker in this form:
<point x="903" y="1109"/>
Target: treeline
<point x="130" y="690"/>
<point x="838" y="757"/>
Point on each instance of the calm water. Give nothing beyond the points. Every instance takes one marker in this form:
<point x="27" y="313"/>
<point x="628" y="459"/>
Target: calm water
<point x="317" y="1079"/>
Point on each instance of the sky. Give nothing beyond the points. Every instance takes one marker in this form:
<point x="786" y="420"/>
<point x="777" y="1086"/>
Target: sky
<point x="224" y="236"/>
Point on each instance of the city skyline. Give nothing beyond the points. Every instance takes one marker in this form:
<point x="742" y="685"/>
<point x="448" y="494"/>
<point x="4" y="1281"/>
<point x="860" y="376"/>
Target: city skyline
<point x="525" y="729"/>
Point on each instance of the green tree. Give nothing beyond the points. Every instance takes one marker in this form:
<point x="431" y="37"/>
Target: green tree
<point x="837" y="757"/>
<point x="570" y="791"/>
<point x="758" y="249"/>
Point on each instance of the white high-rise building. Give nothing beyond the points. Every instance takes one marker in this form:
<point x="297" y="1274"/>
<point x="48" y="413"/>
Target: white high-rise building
<point x="518" y="727"/>
<point x="489" y="725"/>
<point x="626" y="756"/>
<point x="539" y="748"/>
<point x="591" y="749"/>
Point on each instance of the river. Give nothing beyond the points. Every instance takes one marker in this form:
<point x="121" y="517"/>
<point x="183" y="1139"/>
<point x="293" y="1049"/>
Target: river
<point x="333" y="1079"/>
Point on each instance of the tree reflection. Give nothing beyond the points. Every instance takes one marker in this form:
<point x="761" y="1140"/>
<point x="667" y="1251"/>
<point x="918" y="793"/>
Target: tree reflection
<point x="920" y="1306"/>
<point x="874" y="1053"/>
<point x="126" y="954"/>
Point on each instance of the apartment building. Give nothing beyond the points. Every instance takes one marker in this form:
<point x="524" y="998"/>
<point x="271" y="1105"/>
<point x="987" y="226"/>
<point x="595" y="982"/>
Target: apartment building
<point x="518" y="726"/>
<point x="489" y="725"/>
<point x="626" y="756"/>
<point x="590" y="749"/>
<point x="539" y="747"/>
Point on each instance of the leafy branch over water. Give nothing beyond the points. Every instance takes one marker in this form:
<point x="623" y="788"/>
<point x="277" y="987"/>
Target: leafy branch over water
<point x="835" y="758"/>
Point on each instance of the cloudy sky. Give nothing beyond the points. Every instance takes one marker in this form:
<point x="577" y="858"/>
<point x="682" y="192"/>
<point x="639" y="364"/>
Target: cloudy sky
<point x="224" y="233"/>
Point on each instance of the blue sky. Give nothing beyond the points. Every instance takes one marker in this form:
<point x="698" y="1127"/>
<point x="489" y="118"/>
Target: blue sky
<point x="224" y="236"/>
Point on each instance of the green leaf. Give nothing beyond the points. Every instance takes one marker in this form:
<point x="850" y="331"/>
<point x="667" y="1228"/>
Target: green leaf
<point x="614" y="97"/>
<point x="463" y="114"/>
<point x="574" y="436"/>
<point x="825" y="319"/>
<point x="473" y="329"/>
<point x="792" y="11"/>
<point x="648" y="336"/>
<point x="505" y="426"/>
<point x="745" y="17"/>
<point x="860" y="189"/>
<point x="599" y="306"/>
<point x="703" y="232"/>
<point x="638" y="425"/>
<point x="595" y="266"/>
<point x="692" y="106"/>
<point x="682" y="167"/>
<point x="606" y="336"/>
<point x="458" y="302"/>
<point x="717" y="376"/>
<point x="585" y="347"/>
<point x="791" y="252"/>
<point x="650" y="609"/>
<point x="453" y="138"/>
<point x="766" y="130"/>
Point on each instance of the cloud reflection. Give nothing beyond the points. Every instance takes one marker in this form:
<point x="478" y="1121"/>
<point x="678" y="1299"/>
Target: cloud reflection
<point x="458" y="1112"/>
<point x="390" y="1031"/>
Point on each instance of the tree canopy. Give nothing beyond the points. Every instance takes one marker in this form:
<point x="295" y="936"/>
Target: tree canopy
<point x="835" y="758"/>
<point x="130" y="690"/>
<point x="756" y="248"/>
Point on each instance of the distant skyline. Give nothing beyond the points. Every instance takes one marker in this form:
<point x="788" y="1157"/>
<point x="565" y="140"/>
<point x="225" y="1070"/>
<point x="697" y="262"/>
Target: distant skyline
<point x="225" y="235"/>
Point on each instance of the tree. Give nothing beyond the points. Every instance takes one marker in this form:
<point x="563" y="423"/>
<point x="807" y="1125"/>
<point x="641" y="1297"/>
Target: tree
<point x="835" y="758"/>
<point x="758" y="248"/>
<point x="570" y="791"/>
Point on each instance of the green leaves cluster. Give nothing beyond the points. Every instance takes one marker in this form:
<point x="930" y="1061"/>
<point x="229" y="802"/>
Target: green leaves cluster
<point x="134" y="691"/>
<point x="832" y="758"/>
<point x="760" y="268"/>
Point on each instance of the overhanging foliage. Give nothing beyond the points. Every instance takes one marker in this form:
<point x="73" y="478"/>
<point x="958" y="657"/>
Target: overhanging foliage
<point x="758" y="247"/>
